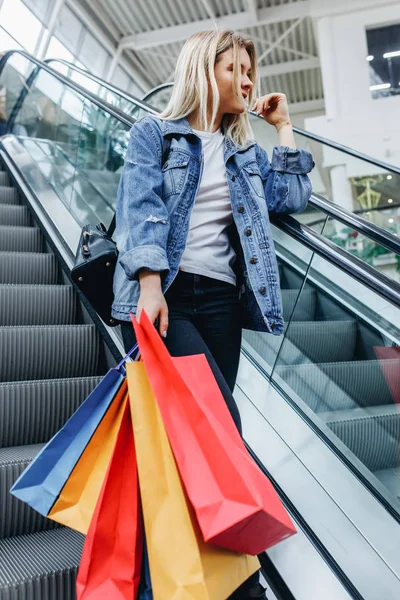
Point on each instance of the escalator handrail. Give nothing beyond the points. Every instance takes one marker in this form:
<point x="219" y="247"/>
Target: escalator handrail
<point x="354" y="221"/>
<point x="102" y="82"/>
<point x="364" y="273"/>
<point x="311" y="136"/>
<point x="383" y="285"/>
<point x="112" y="110"/>
<point x="360" y="211"/>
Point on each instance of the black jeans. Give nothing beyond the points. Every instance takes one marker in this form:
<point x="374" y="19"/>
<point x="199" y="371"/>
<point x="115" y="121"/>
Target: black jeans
<point x="204" y="318"/>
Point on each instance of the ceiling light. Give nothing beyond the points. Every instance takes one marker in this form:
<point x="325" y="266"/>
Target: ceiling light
<point x="380" y="86"/>
<point x="391" y="220"/>
<point x="370" y="57"/>
<point x="390" y="201"/>
<point x="389" y="176"/>
<point x="391" y="54"/>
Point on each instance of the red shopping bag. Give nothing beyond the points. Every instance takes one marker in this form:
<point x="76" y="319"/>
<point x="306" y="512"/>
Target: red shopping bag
<point x="112" y="554"/>
<point x="235" y="504"/>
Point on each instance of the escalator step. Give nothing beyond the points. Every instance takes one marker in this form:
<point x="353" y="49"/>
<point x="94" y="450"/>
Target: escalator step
<point x="31" y="412"/>
<point x="48" y="352"/>
<point x="345" y="385"/>
<point x="20" y="239"/>
<point x="8" y="195"/>
<point x="372" y="435"/>
<point x="24" y="267"/>
<point x="305" y="305"/>
<point x="14" y="215"/>
<point x="37" y="304"/>
<point x="50" y="571"/>
<point x="16" y="517"/>
<point x="4" y="178"/>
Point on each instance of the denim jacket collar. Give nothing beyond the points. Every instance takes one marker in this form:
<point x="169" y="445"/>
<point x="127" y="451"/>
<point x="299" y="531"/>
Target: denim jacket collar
<point x="182" y="127"/>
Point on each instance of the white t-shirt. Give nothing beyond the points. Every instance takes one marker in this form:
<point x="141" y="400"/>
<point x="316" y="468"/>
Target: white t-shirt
<point x="208" y="250"/>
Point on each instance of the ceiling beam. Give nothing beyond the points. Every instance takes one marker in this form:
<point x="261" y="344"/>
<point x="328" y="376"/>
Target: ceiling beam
<point x="237" y="21"/>
<point x="291" y="66"/>
<point x="252" y="9"/>
<point x="280" y="39"/>
<point x="208" y="8"/>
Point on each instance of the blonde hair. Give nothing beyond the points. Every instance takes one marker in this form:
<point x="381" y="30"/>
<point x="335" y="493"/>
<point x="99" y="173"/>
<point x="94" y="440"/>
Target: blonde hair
<point x="195" y="70"/>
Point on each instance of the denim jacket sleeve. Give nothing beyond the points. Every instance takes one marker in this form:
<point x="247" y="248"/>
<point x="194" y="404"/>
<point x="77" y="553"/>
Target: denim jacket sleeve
<point x="142" y="221"/>
<point x="287" y="187"/>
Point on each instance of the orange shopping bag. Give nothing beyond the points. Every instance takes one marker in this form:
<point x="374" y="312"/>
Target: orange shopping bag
<point x="182" y="565"/>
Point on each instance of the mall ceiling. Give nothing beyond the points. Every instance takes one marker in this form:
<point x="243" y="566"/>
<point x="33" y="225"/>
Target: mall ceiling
<point x="150" y="34"/>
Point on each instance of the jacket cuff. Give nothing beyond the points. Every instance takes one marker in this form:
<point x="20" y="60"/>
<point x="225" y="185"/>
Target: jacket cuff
<point x="288" y="160"/>
<point x="152" y="258"/>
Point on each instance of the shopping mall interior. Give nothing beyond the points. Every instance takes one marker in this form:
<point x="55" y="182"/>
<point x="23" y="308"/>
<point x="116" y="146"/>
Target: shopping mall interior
<point x="318" y="403"/>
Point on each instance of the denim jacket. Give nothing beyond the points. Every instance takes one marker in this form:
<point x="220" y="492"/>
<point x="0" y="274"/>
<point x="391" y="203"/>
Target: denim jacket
<point x="155" y="201"/>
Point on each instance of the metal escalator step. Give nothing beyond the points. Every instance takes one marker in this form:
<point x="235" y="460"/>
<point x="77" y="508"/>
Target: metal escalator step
<point x="26" y="267"/>
<point x="37" y="304"/>
<point x="40" y="566"/>
<point x="48" y="352"/>
<point x="303" y="307"/>
<point x="20" y="239"/>
<point x="31" y="412"/>
<point x="14" y="215"/>
<point x="4" y="178"/>
<point x="8" y="195"/>
<point x="16" y="517"/>
<point x="372" y="434"/>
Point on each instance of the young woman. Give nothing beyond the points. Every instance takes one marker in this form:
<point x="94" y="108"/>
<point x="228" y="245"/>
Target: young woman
<point x="193" y="232"/>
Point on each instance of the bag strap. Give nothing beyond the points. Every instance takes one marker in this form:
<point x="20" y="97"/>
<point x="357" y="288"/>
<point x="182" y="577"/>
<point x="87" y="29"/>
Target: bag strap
<point x="164" y="158"/>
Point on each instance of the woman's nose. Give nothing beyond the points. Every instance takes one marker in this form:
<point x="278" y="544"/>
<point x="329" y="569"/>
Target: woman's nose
<point x="247" y="83"/>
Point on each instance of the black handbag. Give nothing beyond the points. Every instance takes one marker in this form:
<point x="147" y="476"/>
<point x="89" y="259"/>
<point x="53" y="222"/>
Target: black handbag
<point x="95" y="260"/>
<point x="94" y="268"/>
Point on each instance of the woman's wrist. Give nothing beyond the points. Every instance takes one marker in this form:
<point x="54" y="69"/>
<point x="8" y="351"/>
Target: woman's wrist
<point x="282" y="124"/>
<point x="149" y="279"/>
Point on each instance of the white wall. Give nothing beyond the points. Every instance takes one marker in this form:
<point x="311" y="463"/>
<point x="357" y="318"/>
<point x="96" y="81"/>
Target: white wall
<point x="352" y="116"/>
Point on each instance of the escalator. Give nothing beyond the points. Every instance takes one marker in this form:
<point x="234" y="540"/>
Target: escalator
<point x="319" y="405"/>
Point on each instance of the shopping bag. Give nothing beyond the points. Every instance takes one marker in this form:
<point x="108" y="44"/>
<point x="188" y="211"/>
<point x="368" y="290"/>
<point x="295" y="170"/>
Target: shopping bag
<point x="112" y="554"/>
<point x="235" y="504"/>
<point x="145" y="591"/>
<point x="42" y="481"/>
<point x="182" y="565"/>
<point x="77" y="500"/>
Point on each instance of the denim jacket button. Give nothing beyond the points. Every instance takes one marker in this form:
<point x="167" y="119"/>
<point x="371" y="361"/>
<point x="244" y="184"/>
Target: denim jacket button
<point x="262" y="290"/>
<point x="233" y="178"/>
<point x="241" y="209"/>
<point x="253" y="260"/>
<point x="272" y="325"/>
<point x="248" y="232"/>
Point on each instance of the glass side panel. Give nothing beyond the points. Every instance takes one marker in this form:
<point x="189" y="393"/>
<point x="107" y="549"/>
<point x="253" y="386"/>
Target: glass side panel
<point x="77" y="147"/>
<point x="339" y="362"/>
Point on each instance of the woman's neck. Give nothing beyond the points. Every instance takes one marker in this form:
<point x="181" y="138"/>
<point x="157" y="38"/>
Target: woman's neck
<point x="195" y="123"/>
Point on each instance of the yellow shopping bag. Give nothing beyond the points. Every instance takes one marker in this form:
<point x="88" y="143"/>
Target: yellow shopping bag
<point x="182" y="565"/>
<point x="76" y="504"/>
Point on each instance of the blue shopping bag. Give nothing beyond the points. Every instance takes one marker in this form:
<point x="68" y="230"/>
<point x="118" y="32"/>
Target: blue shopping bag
<point x="145" y="591"/>
<point x="42" y="481"/>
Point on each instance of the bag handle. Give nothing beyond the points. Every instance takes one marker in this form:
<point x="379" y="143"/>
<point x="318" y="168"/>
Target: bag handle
<point x="165" y="153"/>
<point x="131" y="351"/>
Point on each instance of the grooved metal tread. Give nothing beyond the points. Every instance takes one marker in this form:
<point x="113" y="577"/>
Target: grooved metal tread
<point x="28" y="267"/>
<point x="8" y="195"/>
<point x="31" y="412"/>
<point x="16" y="517"/>
<point x="4" y="178"/>
<point x="14" y="215"/>
<point x="50" y="572"/>
<point x="20" y="239"/>
<point x="36" y="304"/>
<point x="48" y="352"/>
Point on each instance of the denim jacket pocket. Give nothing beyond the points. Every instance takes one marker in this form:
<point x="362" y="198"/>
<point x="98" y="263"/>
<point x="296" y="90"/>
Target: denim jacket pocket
<point x="253" y="177"/>
<point x="174" y="174"/>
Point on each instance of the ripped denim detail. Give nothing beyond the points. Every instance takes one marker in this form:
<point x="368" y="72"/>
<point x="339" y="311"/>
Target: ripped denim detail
<point x="152" y="219"/>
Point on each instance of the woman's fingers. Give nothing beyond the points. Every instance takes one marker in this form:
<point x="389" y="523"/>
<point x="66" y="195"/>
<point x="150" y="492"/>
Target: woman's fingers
<point x="164" y="320"/>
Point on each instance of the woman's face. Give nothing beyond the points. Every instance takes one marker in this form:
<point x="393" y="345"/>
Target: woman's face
<point x="229" y="103"/>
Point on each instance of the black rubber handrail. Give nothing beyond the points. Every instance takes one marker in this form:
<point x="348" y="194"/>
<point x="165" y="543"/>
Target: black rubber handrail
<point x="112" y="110"/>
<point x="382" y="284"/>
<point x="372" y="278"/>
<point x="311" y="136"/>
<point x="360" y="211"/>
<point x="102" y="82"/>
<point x="354" y="221"/>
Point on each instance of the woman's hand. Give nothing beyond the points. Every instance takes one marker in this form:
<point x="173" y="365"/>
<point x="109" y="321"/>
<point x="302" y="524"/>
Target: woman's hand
<point x="273" y="108"/>
<point x="152" y="300"/>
